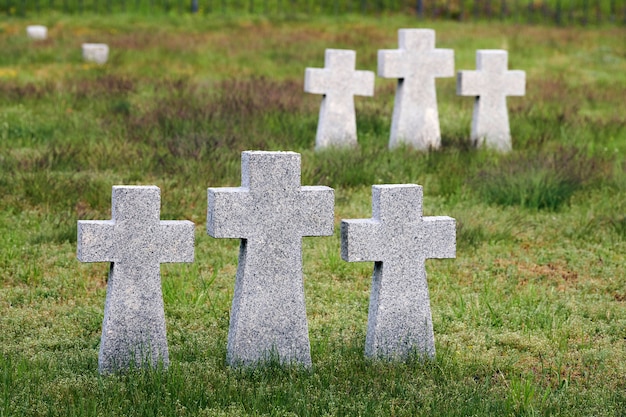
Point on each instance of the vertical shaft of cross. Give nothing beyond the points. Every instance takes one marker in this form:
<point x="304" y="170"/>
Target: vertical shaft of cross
<point x="135" y="242"/>
<point x="415" y="64"/>
<point x="270" y="213"/>
<point x="133" y="328"/>
<point x="399" y="240"/>
<point x="490" y="84"/>
<point x="339" y="83"/>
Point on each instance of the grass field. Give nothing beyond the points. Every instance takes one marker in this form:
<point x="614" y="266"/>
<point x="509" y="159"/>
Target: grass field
<point x="530" y="319"/>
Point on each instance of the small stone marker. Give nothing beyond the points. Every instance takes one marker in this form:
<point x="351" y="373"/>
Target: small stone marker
<point x="399" y="240"/>
<point x="37" y="32"/>
<point x="416" y="64"/>
<point x="270" y="213"/>
<point x="96" y="52"/>
<point x="135" y="241"/>
<point x="339" y="83"/>
<point x="490" y="84"/>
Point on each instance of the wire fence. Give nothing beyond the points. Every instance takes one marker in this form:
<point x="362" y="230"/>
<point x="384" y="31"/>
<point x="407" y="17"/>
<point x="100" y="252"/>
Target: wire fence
<point x="559" y="12"/>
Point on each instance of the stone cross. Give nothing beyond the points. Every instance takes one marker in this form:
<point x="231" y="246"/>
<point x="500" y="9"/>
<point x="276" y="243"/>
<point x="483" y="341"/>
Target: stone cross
<point x="37" y="32"/>
<point x="270" y="213"/>
<point x="96" y="52"/>
<point x="490" y="84"/>
<point x="136" y="242"/>
<point x="399" y="240"/>
<point x="339" y="83"/>
<point x="416" y="64"/>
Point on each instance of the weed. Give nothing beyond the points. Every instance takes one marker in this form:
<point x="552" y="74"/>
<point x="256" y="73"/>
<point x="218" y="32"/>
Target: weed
<point x="538" y="181"/>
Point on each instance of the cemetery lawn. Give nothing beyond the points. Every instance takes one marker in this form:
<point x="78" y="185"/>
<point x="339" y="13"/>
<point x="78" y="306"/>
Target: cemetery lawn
<point x="529" y="319"/>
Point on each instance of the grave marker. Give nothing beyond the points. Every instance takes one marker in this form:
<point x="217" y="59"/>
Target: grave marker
<point x="270" y="213"/>
<point x="136" y="242"/>
<point x="490" y="84"/>
<point x="37" y="32"/>
<point x="416" y="64"/>
<point x="339" y="83"/>
<point x="96" y="52"/>
<point x="399" y="240"/>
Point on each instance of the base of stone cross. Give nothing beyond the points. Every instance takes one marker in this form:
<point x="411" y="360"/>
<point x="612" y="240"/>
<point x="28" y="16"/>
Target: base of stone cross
<point x="498" y="142"/>
<point x="268" y="317"/>
<point x="133" y="329"/>
<point x="399" y="321"/>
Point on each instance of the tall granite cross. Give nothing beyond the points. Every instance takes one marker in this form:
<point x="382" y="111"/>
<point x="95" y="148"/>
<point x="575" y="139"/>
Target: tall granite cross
<point x="339" y="83"/>
<point x="399" y="240"/>
<point x="270" y="213"/>
<point x="136" y="242"/>
<point x="490" y="84"/>
<point x="416" y="64"/>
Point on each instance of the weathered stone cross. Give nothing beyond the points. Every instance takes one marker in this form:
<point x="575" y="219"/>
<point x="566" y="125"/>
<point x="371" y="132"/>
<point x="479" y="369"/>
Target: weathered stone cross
<point x="270" y="213"/>
<point x="490" y="84"/>
<point x="339" y="83"/>
<point x="399" y="240"/>
<point x="415" y="119"/>
<point x="135" y="241"/>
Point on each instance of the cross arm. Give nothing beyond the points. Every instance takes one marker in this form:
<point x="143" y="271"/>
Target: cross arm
<point x="360" y="240"/>
<point x="364" y="83"/>
<point x="317" y="207"/>
<point x="443" y="62"/>
<point x="515" y="83"/>
<point x="469" y="83"/>
<point x="178" y="240"/>
<point x="315" y="81"/>
<point x="95" y="242"/>
<point x="227" y="212"/>
<point x="391" y="63"/>
<point x="440" y="232"/>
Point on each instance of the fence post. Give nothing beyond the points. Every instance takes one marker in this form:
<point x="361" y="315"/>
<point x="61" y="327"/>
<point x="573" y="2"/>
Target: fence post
<point x="194" y="6"/>
<point x="420" y="8"/>
<point x="557" y="14"/>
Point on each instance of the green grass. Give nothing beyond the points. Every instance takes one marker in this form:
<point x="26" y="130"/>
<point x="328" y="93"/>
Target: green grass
<point x="530" y="319"/>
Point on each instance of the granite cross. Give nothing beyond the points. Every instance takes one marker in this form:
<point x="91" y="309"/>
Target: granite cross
<point x="399" y="240"/>
<point x="270" y="213"/>
<point x="490" y="84"/>
<point x="136" y="242"/>
<point x="95" y="52"/>
<point x="339" y="83"/>
<point x="415" y="119"/>
<point x="37" y="32"/>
